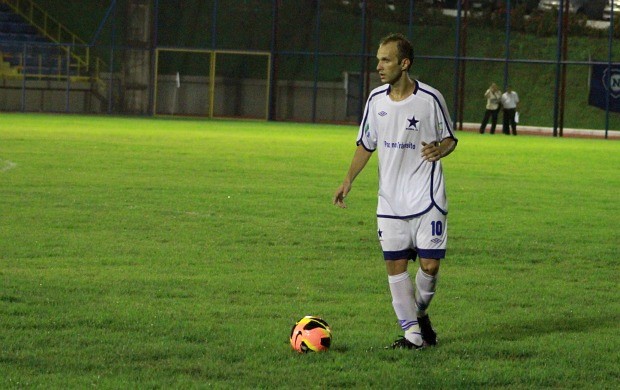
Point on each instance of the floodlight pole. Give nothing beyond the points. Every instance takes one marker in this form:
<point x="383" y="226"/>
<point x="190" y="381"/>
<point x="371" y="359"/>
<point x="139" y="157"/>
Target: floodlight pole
<point x="368" y="34"/>
<point x="154" y="44"/>
<point x="24" y="74"/>
<point x="556" y="93"/>
<point x="363" y="65"/>
<point x="317" y="42"/>
<point x="462" y="66"/>
<point x="111" y="63"/>
<point x="103" y="21"/>
<point x="273" y="75"/>
<point x="214" y="25"/>
<point x="457" y="62"/>
<point x="68" y="86"/>
<point x="410" y="28"/>
<point x="563" y="75"/>
<point x="507" y="46"/>
<point x="609" y="59"/>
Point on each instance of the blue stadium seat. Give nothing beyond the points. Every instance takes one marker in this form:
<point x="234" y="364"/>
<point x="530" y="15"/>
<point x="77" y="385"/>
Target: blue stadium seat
<point x="22" y="46"/>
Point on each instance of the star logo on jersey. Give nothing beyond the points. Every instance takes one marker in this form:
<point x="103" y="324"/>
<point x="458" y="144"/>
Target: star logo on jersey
<point x="413" y="123"/>
<point x="380" y="233"/>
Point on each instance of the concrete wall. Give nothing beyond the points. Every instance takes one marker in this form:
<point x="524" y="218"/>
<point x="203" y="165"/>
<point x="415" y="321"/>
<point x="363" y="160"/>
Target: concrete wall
<point x="248" y="98"/>
<point x="46" y="96"/>
<point x="233" y="98"/>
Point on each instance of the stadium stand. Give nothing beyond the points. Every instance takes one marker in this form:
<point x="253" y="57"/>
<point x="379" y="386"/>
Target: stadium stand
<point x="37" y="46"/>
<point x="26" y="52"/>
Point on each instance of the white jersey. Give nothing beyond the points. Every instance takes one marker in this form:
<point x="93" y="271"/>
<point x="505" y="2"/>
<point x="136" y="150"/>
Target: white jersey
<point x="409" y="186"/>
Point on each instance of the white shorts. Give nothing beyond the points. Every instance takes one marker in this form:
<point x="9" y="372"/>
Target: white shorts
<point x="425" y="236"/>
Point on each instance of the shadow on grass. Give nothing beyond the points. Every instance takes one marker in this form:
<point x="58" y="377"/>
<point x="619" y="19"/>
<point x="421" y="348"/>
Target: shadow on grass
<point x="525" y="328"/>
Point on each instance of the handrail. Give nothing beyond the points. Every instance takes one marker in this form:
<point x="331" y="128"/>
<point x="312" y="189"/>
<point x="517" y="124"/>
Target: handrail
<point x="54" y="31"/>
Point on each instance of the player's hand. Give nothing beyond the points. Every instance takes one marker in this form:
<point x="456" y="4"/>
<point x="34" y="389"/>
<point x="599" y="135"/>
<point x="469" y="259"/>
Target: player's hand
<point x="340" y="194"/>
<point x="431" y="152"/>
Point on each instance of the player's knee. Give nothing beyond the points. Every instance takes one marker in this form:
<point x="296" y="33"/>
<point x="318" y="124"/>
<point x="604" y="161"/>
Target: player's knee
<point x="396" y="267"/>
<point x="429" y="266"/>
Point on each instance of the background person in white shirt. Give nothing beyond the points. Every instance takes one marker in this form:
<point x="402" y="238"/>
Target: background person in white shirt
<point x="510" y="103"/>
<point x="408" y="124"/>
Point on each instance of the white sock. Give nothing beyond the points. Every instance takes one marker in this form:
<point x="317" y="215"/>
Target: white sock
<point x="404" y="305"/>
<point x="425" y="290"/>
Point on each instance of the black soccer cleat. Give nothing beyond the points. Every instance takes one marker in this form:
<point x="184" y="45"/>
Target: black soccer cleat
<point x="428" y="333"/>
<point x="403" y="343"/>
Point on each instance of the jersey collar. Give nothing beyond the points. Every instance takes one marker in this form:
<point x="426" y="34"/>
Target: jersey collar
<point x="416" y="87"/>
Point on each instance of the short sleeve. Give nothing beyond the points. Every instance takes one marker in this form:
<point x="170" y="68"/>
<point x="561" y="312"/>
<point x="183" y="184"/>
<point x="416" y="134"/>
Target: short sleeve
<point x="367" y="135"/>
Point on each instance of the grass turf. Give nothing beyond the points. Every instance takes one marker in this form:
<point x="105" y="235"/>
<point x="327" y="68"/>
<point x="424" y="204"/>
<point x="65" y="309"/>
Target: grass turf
<point x="178" y="253"/>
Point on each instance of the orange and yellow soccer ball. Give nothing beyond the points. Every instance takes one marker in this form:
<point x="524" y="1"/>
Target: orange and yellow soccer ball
<point x="311" y="334"/>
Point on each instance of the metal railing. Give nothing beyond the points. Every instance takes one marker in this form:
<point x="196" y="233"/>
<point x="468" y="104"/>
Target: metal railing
<point x="78" y="51"/>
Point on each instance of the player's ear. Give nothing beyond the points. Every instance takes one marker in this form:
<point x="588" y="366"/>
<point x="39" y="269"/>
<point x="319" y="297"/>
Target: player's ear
<point x="404" y="64"/>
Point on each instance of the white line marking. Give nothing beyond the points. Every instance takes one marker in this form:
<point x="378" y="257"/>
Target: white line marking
<point x="6" y="165"/>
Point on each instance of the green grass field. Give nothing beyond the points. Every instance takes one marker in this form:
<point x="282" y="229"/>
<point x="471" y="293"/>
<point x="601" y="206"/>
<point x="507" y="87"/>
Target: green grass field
<point x="157" y="253"/>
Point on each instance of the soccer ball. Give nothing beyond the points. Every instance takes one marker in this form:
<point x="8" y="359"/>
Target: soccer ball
<point x="311" y="334"/>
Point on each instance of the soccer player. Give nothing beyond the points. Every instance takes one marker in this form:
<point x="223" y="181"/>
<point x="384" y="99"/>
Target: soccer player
<point x="408" y="124"/>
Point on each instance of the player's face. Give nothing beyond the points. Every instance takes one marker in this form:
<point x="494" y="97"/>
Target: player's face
<point x="390" y="71"/>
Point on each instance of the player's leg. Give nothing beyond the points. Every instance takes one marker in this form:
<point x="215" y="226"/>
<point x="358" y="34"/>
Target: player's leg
<point x="426" y="284"/>
<point x="396" y="244"/>
<point x="431" y="239"/>
<point x="403" y="302"/>
<point x="494" y="120"/>
<point x="485" y="120"/>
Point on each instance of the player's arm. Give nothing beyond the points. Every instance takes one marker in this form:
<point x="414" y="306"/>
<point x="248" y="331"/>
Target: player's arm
<point x="360" y="158"/>
<point x="434" y="151"/>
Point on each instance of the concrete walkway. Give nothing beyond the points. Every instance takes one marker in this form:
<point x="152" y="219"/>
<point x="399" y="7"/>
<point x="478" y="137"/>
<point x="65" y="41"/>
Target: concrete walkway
<point x="548" y="131"/>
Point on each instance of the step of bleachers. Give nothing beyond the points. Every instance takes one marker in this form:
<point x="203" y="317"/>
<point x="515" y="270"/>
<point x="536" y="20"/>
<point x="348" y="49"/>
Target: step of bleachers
<point x="41" y="63"/>
<point x="9" y="16"/>
<point x="30" y="48"/>
<point x="17" y="28"/>
<point x="20" y="37"/>
<point x="42" y="70"/>
<point x="58" y="61"/>
<point x="27" y="51"/>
